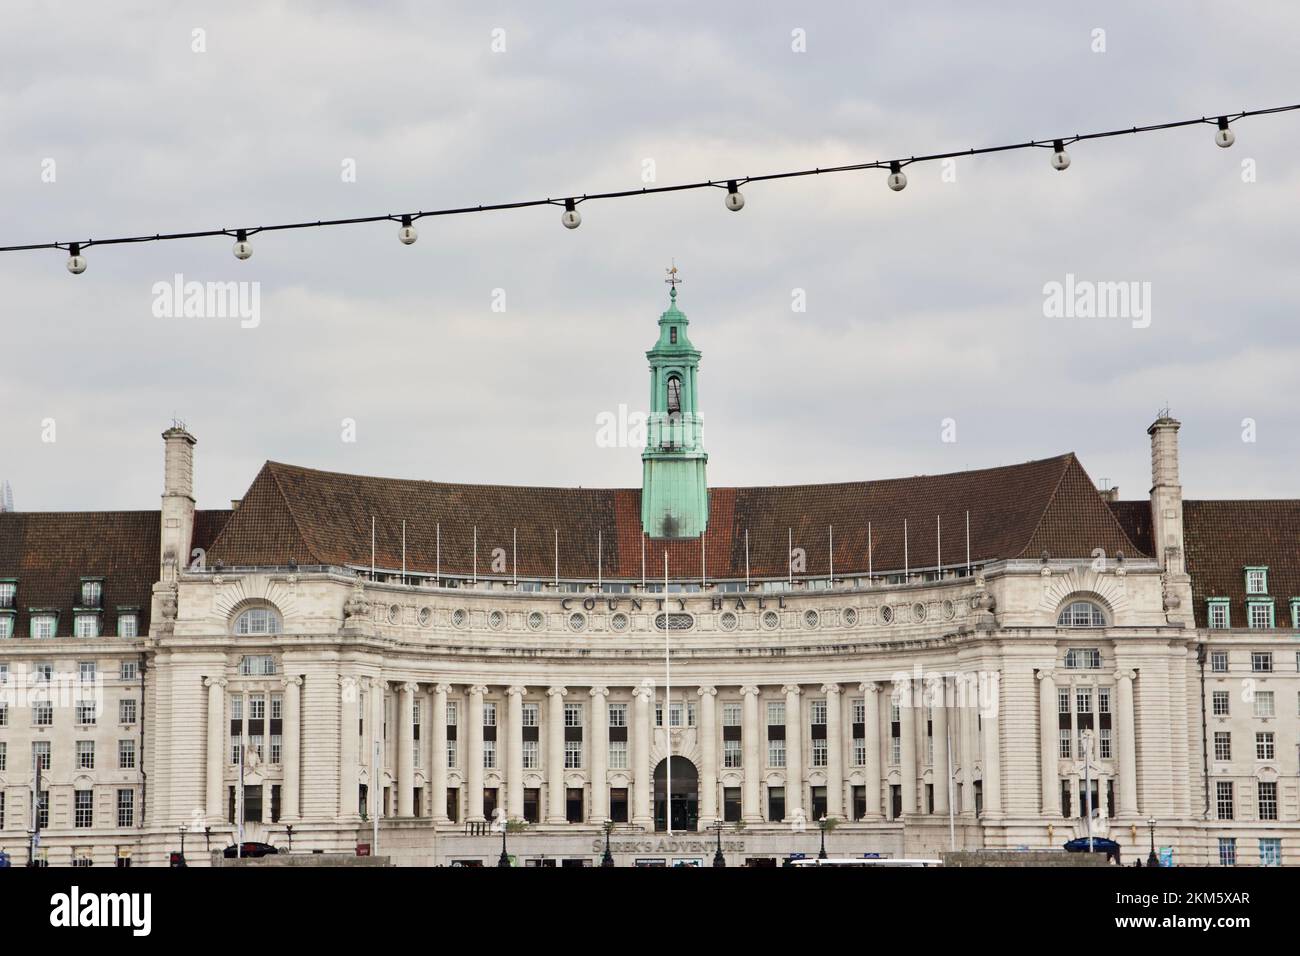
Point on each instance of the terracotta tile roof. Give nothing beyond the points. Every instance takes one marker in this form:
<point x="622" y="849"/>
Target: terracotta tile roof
<point x="50" y="552"/>
<point x="1224" y="537"/>
<point x="317" y="517"/>
<point x="1135" y="518"/>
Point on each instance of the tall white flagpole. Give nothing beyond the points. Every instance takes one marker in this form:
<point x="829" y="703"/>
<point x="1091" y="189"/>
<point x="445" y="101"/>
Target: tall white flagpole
<point x="239" y="803"/>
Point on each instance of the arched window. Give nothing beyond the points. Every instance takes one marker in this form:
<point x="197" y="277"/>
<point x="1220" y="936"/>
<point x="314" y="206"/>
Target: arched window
<point x="1081" y="614"/>
<point x="258" y="620"/>
<point x="674" y="397"/>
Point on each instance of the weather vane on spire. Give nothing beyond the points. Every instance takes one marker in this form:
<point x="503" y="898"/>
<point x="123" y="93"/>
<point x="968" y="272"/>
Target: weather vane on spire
<point x="672" y="279"/>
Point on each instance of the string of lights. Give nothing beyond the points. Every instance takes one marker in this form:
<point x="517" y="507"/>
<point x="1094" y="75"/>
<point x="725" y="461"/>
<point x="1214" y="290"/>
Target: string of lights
<point x="735" y="199"/>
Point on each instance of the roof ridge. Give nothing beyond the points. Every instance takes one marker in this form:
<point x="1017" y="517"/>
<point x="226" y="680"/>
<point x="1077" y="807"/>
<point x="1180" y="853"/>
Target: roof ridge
<point x="1072" y="462"/>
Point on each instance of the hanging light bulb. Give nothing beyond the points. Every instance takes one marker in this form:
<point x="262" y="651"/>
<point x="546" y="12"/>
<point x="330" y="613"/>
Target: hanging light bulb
<point x="243" y="248"/>
<point x="1060" y="158"/>
<point x="76" y="261"/>
<point x="735" y="201"/>
<point x="572" y="219"/>
<point x="1224" y="137"/>
<point x="897" y="178"/>
<point x="407" y="234"/>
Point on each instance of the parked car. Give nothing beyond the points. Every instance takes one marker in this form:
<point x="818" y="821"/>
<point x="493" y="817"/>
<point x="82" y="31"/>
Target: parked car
<point x="249" y="849"/>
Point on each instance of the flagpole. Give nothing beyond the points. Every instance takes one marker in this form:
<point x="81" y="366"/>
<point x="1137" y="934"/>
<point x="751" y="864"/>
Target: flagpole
<point x="668" y="703"/>
<point x="239" y="844"/>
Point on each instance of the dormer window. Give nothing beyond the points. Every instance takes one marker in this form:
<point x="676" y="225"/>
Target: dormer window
<point x="1217" y="612"/>
<point x="674" y="397"/>
<point x="1259" y="613"/>
<point x="92" y="592"/>
<point x="44" y="625"/>
<point x="6" y="625"/>
<point x="128" y="622"/>
<point x="85" y="625"/>
<point x="8" y="589"/>
<point x="1257" y="580"/>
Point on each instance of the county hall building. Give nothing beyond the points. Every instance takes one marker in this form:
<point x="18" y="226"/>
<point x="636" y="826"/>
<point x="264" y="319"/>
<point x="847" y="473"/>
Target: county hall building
<point x="962" y="660"/>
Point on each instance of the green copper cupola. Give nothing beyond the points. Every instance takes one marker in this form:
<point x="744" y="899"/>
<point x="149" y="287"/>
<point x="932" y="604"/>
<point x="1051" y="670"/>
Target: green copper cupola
<point x="674" y="493"/>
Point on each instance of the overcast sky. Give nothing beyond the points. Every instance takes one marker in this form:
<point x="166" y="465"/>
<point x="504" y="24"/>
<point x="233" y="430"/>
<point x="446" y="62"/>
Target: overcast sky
<point x="921" y="306"/>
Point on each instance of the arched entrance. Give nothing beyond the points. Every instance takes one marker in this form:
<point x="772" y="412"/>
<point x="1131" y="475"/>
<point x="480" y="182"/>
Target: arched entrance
<point x="685" y="795"/>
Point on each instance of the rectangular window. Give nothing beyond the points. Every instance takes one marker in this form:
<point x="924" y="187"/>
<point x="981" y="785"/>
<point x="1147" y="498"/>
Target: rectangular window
<point x="128" y="625"/>
<point x="894" y="750"/>
<point x="776" y="713"/>
<point x="4" y="757"/>
<point x="775" y="804"/>
<point x="86" y="672"/>
<point x="42" y="625"/>
<point x="1219" y="614"/>
<point x="277" y="750"/>
<point x="1062" y="701"/>
<point x="126" y="711"/>
<point x="4" y="713"/>
<point x="573" y="715"/>
<point x="859" y="710"/>
<point x="529" y="714"/>
<point x="1222" y="745"/>
<point x="859" y="752"/>
<point x="776" y="753"/>
<point x="43" y="713"/>
<point x="43" y="809"/>
<point x="451" y="754"/>
<point x="85" y="755"/>
<point x="7" y="591"/>
<point x="675" y="713"/>
<point x="1083" y="700"/>
<point x="41" y="754"/>
<point x="1083" y="657"/>
<point x="1066" y="747"/>
<point x="618" y="755"/>
<point x="92" y="592"/>
<point x="451" y="713"/>
<point x="489" y="755"/>
<point x="731" y="715"/>
<point x="819" y="753"/>
<point x="1220" y="703"/>
<point x="277" y="708"/>
<point x="1104" y="744"/>
<point x="6" y="626"/>
<point x="83" y="808"/>
<point x="1264" y="703"/>
<point x="86" y="712"/>
<point x="126" y="808"/>
<point x="1267" y="800"/>
<point x="531" y="753"/>
<point x="818" y="709"/>
<point x="1264" y="745"/>
<point x="85" y="625"/>
<point x="1257" y="580"/>
<point x="1261" y="661"/>
<point x="1270" y="851"/>
<point x="731" y="754"/>
<point x="1223" y="793"/>
<point x="489" y="714"/>
<point x="572" y="754"/>
<point x="1219" y="662"/>
<point x="128" y="670"/>
<point x="256" y="707"/>
<point x="618" y="804"/>
<point x="618" y="715"/>
<point x="126" y="755"/>
<point x="1227" y="851"/>
<point x="731" y="804"/>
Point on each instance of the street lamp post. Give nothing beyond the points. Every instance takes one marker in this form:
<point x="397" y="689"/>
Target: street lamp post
<point x="608" y="858"/>
<point x="207" y="838"/>
<point x="183" y="829"/>
<point x="504" y="859"/>
<point x="718" y="858"/>
<point x="821" y="854"/>
<point x="288" y="827"/>
<point x="1151" y="857"/>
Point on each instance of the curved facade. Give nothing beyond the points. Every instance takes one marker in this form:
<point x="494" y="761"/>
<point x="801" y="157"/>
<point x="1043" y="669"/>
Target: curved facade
<point x="965" y="660"/>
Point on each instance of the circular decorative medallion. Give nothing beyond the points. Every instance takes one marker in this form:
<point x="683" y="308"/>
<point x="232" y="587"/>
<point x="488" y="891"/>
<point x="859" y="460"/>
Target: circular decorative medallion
<point x="727" y="621"/>
<point x="918" y="611"/>
<point x="850" y="616"/>
<point x="497" y="620"/>
<point x="811" y="618"/>
<point x="886" y="614"/>
<point x="425" y="616"/>
<point x="460" y="617"/>
<point x="536" y="620"/>
<point x="618" y="622"/>
<point x="577" y="621"/>
<point x="949" y="611"/>
<point x="771" y="619"/>
<point x="674" y="622"/>
<point x="394" y="614"/>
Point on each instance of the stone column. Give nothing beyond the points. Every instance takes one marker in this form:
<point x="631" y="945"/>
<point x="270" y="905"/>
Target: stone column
<point x="969" y="741"/>
<point x="515" y="752"/>
<point x="292" y="757"/>
<point x="1128" y="805"/>
<point x="871" y="739"/>
<point x="907" y="744"/>
<point x="377" y="746"/>
<point x="555" y="756"/>
<point x="438" y="762"/>
<point x="349" y="746"/>
<point x="753" y="768"/>
<point x="708" y="755"/>
<point x="642" y="811"/>
<point x="939" y="726"/>
<point x="217" y="757"/>
<point x="599" y="754"/>
<point x="990" y="713"/>
<point x="834" y="752"/>
<point x="1048" y="745"/>
<point x="474" y="754"/>
<point x="793" y="751"/>
<point x="406" y="750"/>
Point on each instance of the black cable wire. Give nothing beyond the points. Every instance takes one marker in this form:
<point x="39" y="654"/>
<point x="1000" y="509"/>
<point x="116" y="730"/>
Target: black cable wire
<point x="725" y="182"/>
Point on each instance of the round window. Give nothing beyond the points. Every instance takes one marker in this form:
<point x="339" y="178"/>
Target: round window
<point x="810" y="618"/>
<point x="728" y="621"/>
<point x="577" y="621"/>
<point x="949" y="611"/>
<point x="394" y="614"/>
<point x="425" y="616"/>
<point x="618" y="622"/>
<point x="850" y="616"/>
<point x="918" y="611"/>
<point x="497" y="620"/>
<point x="886" y="615"/>
<point x="460" y="617"/>
<point x="536" y="620"/>
<point x="771" y="619"/>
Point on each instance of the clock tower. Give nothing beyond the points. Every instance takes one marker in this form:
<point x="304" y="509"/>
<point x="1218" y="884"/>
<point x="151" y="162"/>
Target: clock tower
<point x="674" y="494"/>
